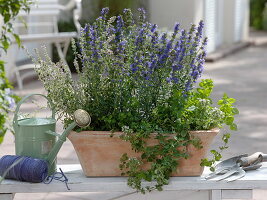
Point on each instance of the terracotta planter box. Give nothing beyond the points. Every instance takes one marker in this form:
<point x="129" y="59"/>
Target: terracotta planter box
<point x="100" y="154"/>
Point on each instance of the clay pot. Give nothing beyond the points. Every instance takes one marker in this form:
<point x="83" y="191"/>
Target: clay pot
<point x="100" y="154"/>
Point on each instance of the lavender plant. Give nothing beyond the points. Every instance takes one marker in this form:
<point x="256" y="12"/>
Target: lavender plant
<point x="140" y="81"/>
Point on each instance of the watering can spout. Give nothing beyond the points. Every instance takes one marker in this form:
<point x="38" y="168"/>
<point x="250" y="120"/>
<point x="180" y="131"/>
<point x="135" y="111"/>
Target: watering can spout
<point x="82" y="119"/>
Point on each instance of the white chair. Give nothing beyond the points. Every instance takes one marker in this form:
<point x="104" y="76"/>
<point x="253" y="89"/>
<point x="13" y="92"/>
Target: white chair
<point x="42" y="29"/>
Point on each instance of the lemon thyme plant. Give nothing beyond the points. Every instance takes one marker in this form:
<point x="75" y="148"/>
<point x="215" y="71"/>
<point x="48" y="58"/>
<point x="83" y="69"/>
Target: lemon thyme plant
<point x="134" y="79"/>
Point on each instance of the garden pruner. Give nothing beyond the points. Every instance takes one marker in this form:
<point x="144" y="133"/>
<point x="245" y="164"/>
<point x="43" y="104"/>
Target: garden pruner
<point x="235" y="168"/>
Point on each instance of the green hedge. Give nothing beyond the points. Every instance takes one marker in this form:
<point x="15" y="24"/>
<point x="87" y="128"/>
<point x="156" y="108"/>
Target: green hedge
<point x="257" y="14"/>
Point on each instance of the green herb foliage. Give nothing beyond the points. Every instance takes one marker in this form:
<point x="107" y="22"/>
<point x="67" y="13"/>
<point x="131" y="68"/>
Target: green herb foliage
<point x="135" y="79"/>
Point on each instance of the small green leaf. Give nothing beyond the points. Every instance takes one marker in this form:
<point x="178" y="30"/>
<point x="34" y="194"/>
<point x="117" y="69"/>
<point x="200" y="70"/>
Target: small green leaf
<point x="233" y="127"/>
<point x="213" y="152"/>
<point x="235" y="111"/>
<point x="191" y="108"/>
<point x="229" y="120"/>
<point x="225" y="96"/>
<point x="226" y="137"/>
<point x="17" y="39"/>
<point x="218" y="157"/>
<point x="231" y="100"/>
<point x="5" y="44"/>
<point x="220" y="102"/>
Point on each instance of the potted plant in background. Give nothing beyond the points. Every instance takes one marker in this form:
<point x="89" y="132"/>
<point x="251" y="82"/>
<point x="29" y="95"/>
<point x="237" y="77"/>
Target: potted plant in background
<point x="140" y="87"/>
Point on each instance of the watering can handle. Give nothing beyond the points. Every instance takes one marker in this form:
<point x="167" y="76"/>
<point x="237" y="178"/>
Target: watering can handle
<point x="15" y="119"/>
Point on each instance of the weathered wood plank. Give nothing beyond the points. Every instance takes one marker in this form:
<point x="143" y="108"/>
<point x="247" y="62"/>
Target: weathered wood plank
<point x="237" y="194"/>
<point x="79" y="183"/>
<point x="7" y="196"/>
<point x="169" y="195"/>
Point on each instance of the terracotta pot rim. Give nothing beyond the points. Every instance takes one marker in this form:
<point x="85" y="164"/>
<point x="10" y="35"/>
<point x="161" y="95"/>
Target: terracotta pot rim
<point x="214" y="130"/>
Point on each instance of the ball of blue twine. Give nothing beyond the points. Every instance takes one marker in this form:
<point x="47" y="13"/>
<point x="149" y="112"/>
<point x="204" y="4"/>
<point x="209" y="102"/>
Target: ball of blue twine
<point x="26" y="169"/>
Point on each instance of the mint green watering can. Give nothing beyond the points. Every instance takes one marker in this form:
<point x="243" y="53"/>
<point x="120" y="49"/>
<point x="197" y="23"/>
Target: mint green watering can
<point x="36" y="137"/>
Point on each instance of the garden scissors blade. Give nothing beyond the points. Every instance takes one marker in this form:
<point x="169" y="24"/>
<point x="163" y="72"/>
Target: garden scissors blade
<point x="237" y="175"/>
<point x="241" y="172"/>
<point x="235" y="167"/>
<point x="225" y="166"/>
<point x="233" y="170"/>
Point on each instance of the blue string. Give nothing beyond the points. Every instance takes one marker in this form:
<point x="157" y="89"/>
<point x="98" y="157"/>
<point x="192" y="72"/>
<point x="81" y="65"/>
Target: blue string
<point x="59" y="176"/>
<point x="26" y="169"/>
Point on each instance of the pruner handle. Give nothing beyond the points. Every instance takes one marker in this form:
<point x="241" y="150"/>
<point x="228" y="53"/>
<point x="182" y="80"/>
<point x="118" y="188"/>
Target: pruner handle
<point x="263" y="157"/>
<point x="252" y="159"/>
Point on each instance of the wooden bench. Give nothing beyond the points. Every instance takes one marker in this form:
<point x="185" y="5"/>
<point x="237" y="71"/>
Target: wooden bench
<point x="240" y="189"/>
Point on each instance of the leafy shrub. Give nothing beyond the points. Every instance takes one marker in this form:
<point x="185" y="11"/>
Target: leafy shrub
<point x="256" y="13"/>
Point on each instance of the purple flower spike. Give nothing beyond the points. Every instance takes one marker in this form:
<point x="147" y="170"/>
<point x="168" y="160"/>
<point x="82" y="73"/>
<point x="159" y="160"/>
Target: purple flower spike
<point x="176" y="27"/>
<point x="126" y="10"/>
<point x="200" y="27"/>
<point x="119" y="27"/>
<point x="104" y="11"/>
<point x="154" y="27"/>
<point x="142" y="11"/>
<point x="142" y="16"/>
<point x="205" y="41"/>
<point x="135" y="53"/>
<point x="140" y="37"/>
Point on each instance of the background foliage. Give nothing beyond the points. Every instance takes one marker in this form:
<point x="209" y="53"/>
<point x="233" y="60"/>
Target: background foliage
<point x="8" y="11"/>
<point x="257" y="8"/>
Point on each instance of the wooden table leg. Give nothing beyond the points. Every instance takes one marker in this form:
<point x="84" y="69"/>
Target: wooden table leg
<point x="8" y="196"/>
<point x="216" y="195"/>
